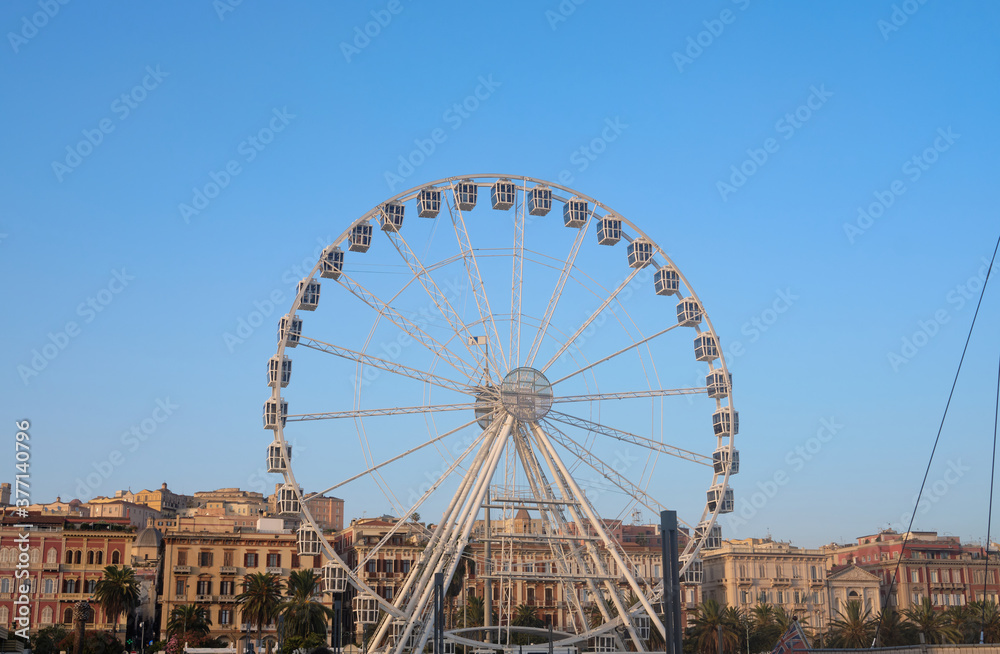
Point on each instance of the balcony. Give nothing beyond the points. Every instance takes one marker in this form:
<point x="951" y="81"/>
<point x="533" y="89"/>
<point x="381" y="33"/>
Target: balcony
<point x="182" y="569"/>
<point x="50" y="567"/>
<point x="227" y="598"/>
<point x="227" y="570"/>
<point x="781" y="581"/>
<point x="204" y="598"/>
<point x="273" y="570"/>
<point x="817" y="582"/>
<point x="744" y="581"/>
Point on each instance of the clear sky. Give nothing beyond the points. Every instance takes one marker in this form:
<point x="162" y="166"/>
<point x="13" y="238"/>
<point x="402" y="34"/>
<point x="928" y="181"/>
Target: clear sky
<point x="824" y="173"/>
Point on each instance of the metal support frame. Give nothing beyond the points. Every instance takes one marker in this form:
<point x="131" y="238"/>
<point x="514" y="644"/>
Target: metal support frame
<point x="671" y="583"/>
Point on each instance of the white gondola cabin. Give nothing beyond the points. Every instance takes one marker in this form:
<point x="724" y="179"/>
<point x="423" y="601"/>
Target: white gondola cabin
<point x="334" y="578"/>
<point x="279" y="371"/>
<point x="695" y="573"/>
<point x="309" y="288"/>
<point x="465" y="195"/>
<point x="449" y="646"/>
<point x="275" y="462"/>
<point x="726" y="422"/>
<point x="398" y="629"/>
<point x="360" y="238"/>
<point x="392" y="216"/>
<point x="429" y="203"/>
<point x="720" y="461"/>
<point x="706" y="347"/>
<point x="666" y="281"/>
<point x="641" y="623"/>
<point x="603" y="644"/>
<point x="365" y="609"/>
<point x="290" y="330"/>
<point x="503" y="194"/>
<point x="575" y="213"/>
<point x="288" y="500"/>
<point x="713" y="540"/>
<point x="640" y="253"/>
<point x="539" y="201"/>
<point x="716" y="496"/>
<point x="719" y="384"/>
<point x="689" y="312"/>
<point x="331" y="263"/>
<point x="308" y="541"/>
<point x="609" y="230"/>
<point x="272" y="415"/>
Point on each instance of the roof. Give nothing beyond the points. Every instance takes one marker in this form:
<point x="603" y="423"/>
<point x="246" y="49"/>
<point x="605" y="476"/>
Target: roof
<point x="148" y="537"/>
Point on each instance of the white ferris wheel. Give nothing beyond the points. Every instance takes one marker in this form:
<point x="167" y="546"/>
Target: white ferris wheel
<point x="489" y="358"/>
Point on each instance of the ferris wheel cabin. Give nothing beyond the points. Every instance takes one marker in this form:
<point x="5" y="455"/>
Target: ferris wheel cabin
<point x="706" y="347"/>
<point x="429" y="203"/>
<point x="717" y="495"/>
<point x="275" y="462"/>
<point x="365" y="609"/>
<point x="288" y="500"/>
<point x="720" y="461"/>
<point x="334" y="578"/>
<point x="308" y="541"/>
<point x="466" y="193"/>
<point x="713" y="536"/>
<point x="689" y="312"/>
<point x="719" y="384"/>
<point x="360" y="238"/>
<point x="503" y="194"/>
<point x="332" y="263"/>
<point x="609" y="230"/>
<point x="539" y="201"/>
<point x="695" y="574"/>
<point x="290" y="330"/>
<point x="271" y="414"/>
<point x="392" y="216"/>
<point x="575" y="213"/>
<point x="640" y="253"/>
<point x="309" y="288"/>
<point x="279" y="371"/>
<point x="666" y="281"/>
<point x="726" y="422"/>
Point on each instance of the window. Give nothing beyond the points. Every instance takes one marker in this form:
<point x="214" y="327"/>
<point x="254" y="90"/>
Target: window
<point x="934" y="576"/>
<point x="90" y="557"/>
<point x="744" y="597"/>
<point x="204" y="587"/>
<point x="90" y="586"/>
<point x="227" y="559"/>
<point x="116" y="557"/>
<point x="781" y="597"/>
<point x="51" y="556"/>
<point x="36" y="555"/>
<point x="179" y="589"/>
<point x="205" y="559"/>
<point x="295" y="560"/>
<point x="69" y="585"/>
<point x="250" y="560"/>
<point x="371" y="567"/>
<point x="389" y="565"/>
<point x="69" y="556"/>
<point x="49" y="586"/>
<point x="4" y="586"/>
<point x="47" y="615"/>
<point x="225" y="616"/>
<point x="226" y="588"/>
<point x="99" y="558"/>
<point x="915" y="576"/>
<point x="406" y="568"/>
<point x="548" y="597"/>
<point x="531" y="597"/>
<point x="4" y="614"/>
<point x="182" y="557"/>
<point x="274" y="560"/>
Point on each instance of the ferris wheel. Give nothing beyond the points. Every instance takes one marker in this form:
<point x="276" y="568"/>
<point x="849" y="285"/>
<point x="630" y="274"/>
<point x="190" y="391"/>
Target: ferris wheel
<point x="525" y="380"/>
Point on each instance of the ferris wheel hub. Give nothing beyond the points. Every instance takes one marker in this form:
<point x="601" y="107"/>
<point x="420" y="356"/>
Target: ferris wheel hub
<point x="526" y="394"/>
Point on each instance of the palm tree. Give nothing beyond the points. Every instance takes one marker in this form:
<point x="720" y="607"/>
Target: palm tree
<point x="986" y="618"/>
<point x="117" y="592"/>
<point x="892" y="630"/>
<point x="475" y="612"/>
<point x="932" y="624"/>
<point x="709" y="616"/>
<point x="853" y="628"/>
<point x="260" y="601"/>
<point x="525" y="616"/>
<point x="966" y="625"/>
<point x="188" y="618"/>
<point x="303" y="614"/>
<point x="764" y="629"/>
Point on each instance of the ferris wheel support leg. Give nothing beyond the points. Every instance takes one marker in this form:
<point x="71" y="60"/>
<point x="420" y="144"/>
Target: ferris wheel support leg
<point x="467" y="521"/>
<point x="599" y="527"/>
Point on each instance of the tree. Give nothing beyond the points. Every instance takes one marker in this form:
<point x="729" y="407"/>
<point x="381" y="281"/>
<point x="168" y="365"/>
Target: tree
<point x="187" y="619"/>
<point x="708" y="617"/>
<point x="260" y="601"/>
<point x="892" y="630"/>
<point x="303" y="614"/>
<point x="46" y="641"/>
<point x="932" y="624"/>
<point x="965" y="624"/>
<point x="853" y="628"/>
<point x="764" y="628"/>
<point x="117" y="593"/>
<point x="986" y="618"/>
<point x="525" y="616"/>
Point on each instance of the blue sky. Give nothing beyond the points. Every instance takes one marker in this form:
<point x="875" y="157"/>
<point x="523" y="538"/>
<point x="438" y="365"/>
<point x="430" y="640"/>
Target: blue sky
<point x="748" y="140"/>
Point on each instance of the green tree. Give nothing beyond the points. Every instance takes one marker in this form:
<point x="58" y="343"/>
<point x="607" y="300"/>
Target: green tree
<point x="934" y="625"/>
<point x="961" y="619"/>
<point x="893" y="630"/>
<point x="764" y="628"/>
<point x="854" y="627"/>
<point x="525" y="616"/>
<point x="260" y="601"/>
<point x="708" y="617"/>
<point x="187" y="619"/>
<point x="304" y="615"/>
<point x="46" y="641"/>
<point x="117" y="593"/>
<point x="986" y="618"/>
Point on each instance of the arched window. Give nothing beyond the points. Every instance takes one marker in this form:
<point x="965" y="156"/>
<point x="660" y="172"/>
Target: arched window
<point x="51" y="556"/>
<point x="49" y="586"/>
<point x="36" y="555"/>
<point x="4" y="588"/>
<point x="77" y="556"/>
<point x="90" y="557"/>
<point x="100" y="558"/>
<point x="115" y="556"/>
<point x="90" y="586"/>
<point x="4" y="615"/>
<point x="47" y="615"/>
<point x="68" y="616"/>
<point x="69" y="556"/>
<point x="4" y="556"/>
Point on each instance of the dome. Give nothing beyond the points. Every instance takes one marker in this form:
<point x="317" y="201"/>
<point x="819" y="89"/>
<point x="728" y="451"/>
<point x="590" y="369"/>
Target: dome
<point x="148" y="537"/>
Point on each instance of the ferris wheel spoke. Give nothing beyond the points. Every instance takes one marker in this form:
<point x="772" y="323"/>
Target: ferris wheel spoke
<point x="384" y="364"/>
<point x="619" y="352"/>
<point x="475" y="279"/>
<point x="517" y="283"/>
<point x="611" y="544"/>
<point x="394" y="411"/>
<point x="600" y="467"/>
<point x="423" y="276"/>
<point x="406" y="325"/>
<point x="564" y="276"/>
<point x="604" y="305"/>
<point x="628" y="437"/>
<point x="392" y="460"/>
<point x="630" y="395"/>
